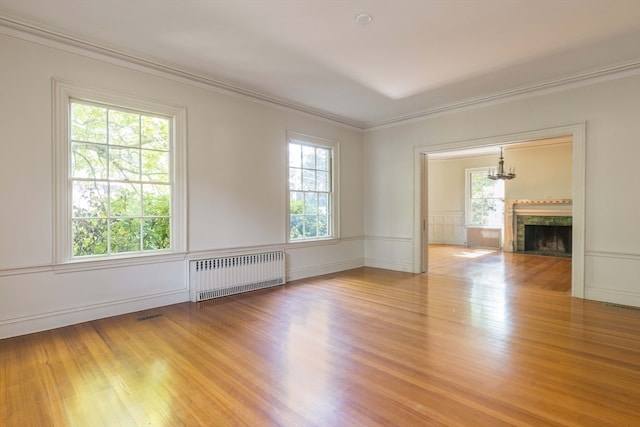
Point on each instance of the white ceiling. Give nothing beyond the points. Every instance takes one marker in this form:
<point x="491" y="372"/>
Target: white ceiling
<point x="416" y="56"/>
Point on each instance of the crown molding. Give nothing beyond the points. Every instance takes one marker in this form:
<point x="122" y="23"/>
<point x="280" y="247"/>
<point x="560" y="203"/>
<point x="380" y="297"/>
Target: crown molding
<point x="52" y="38"/>
<point x="590" y="77"/>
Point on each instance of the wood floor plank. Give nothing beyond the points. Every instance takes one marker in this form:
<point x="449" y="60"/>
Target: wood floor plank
<point x="484" y="339"/>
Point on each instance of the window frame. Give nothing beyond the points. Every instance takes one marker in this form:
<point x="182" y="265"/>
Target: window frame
<point x="334" y="214"/>
<point x="64" y="94"/>
<point x="467" y="199"/>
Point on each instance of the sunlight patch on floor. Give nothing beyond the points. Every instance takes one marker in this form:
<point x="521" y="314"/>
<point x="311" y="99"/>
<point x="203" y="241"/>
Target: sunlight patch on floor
<point x="473" y="253"/>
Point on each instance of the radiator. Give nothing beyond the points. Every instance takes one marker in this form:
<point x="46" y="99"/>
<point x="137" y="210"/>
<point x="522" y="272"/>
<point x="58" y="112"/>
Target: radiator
<point x="484" y="237"/>
<point x="218" y="277"/>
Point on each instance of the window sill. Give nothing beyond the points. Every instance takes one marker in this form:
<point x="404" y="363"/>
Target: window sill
<point x="131" y="260"/>
<point x="311" y="243"/>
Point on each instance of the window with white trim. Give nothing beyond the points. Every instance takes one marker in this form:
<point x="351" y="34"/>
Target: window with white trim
<point x="312" y="203"/>
<point x="119" y="174"/>
<point x="485" y="198"/>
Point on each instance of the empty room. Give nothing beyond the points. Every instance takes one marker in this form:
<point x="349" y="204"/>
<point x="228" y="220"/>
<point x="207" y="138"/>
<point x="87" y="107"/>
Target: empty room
<point x="319" y="213"/>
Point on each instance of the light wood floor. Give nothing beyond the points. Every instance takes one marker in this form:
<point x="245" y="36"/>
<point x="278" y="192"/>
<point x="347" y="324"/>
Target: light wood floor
<point x="469" y="344"/>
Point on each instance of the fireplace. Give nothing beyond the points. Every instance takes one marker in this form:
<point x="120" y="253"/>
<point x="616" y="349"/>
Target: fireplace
<point x="548" y="225"/>
<point x="548" y="239"/>
<point x="544" y="235"/>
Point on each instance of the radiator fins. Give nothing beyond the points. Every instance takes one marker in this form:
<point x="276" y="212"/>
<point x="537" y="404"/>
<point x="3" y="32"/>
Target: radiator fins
<point x="223" y="276"/>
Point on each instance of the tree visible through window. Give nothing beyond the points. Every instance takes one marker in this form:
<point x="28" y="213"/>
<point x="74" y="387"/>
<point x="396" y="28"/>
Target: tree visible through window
<point x="120" y="180"/>
<point x="486" y="199"/>
<point x="310" y="191"/>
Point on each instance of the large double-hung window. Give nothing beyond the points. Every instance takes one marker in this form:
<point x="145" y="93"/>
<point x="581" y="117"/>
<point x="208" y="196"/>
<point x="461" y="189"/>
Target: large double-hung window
<point x="312" y="185"/>
<point x="120" y="185"/>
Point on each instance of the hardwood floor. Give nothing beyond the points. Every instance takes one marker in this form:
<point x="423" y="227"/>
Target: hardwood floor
<point x="508" y="268"/>
<point x="458" y="346"/>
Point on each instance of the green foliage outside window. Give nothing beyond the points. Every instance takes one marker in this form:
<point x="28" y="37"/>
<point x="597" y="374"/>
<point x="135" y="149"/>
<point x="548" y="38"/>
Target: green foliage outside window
<point x="120" y="177"/>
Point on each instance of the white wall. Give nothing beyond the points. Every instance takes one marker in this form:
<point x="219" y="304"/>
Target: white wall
<point x="611" y="110"/>
<point x="236" y="187"/>
<point x="543" y="172"/>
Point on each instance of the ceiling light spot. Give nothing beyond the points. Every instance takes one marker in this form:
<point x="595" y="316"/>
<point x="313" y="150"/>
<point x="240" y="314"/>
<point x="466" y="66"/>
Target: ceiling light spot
<point x="363" y="19"/>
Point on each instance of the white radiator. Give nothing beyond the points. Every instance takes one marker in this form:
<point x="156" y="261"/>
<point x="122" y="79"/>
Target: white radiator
<point x="218" y="277"/>
<point x="484" y="237"/>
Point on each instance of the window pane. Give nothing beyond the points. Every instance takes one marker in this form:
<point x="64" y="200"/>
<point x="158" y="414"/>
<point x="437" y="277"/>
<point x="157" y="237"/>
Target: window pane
<point x="124" y="164"/>
<point x="479" y="182"/>
<point x="126" y="199"/>
<point x="124" y="128"/>
<point x="155" y="165"/>
<point x="308" y="157"/>
<point x="296" y="202"/>
<point x="323" y="204"/>
<point x="311" y="226"/>
<point x="295" y="155"/>
<point x="155" y="133"/>
<point x="125" y="235"/>
<point x="89" y="199"/>
<point x="156" y="234"/>
<point x="495" y="217"/>
<point x="308" y="180"/>
<point x="322" y="180"/>
<point x="88" y="161"/>
<point x="88" y="123"/>
<point x="295" y="179"/>
<point x="310" y="203"/>
<point x="89" y="237"/>
<point x="296" y="229"/>
<point x="322" y="159"/>
<point x="156" y="199"/>
<point x="323" y="225"/>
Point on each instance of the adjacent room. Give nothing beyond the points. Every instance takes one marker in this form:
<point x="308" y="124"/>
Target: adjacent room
<point x="313" y="213"/>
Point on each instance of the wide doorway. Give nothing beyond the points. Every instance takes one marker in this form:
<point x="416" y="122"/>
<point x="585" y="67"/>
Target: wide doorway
<point x="546" y="171"/>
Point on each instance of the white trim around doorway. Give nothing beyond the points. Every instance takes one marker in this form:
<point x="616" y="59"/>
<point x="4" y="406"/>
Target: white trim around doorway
<point x="578" y="133"/>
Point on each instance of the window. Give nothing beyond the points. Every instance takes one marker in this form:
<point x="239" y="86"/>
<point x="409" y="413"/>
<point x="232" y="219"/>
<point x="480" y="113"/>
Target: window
<point x="119" y="170"/>
<point x="312" y="206"/>
<point x="485" y="201"/>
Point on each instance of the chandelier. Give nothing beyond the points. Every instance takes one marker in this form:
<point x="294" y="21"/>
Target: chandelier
<point x="500" y="173"/>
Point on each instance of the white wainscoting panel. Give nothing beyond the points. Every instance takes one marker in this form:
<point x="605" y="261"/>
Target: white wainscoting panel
<point x="323" y="257"/>
<point x="447" y="227"/>
<point x="613" y="277"/>
<point x="391" y="253"/>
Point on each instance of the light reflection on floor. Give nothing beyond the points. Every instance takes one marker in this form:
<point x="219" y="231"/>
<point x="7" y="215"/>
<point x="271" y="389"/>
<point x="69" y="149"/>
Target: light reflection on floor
<point x="473" y="253"/>
<point x="309" y="383"/>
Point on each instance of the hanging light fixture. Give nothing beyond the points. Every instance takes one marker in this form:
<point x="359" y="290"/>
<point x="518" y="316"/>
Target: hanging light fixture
<point x="500" y="174"/>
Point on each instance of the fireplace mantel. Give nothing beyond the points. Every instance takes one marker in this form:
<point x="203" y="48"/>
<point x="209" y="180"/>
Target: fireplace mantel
<point x="545" y="207"/>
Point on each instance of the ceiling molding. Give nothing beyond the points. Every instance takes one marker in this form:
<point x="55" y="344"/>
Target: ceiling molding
<point x="56" y="39"/>
<point x="52" y="38"/>
<point x="602" y="74"/>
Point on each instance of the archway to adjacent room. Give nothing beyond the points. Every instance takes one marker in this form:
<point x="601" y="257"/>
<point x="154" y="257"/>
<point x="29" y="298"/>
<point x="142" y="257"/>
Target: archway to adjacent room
<point x="575" y="132"/>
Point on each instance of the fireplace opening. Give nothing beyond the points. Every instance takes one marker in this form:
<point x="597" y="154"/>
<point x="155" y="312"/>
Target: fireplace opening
<point x="548" y="239"/>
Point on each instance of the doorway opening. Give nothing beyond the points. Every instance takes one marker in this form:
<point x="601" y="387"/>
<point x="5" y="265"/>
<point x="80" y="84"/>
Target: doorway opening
<point x="481" y="151"/>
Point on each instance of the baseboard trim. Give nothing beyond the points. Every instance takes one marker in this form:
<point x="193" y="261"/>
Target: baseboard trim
<point x="388" y="264"/>
<point x="42" y="322"/>
<point x="319" y="270"/>
<point x="613" y="296"/>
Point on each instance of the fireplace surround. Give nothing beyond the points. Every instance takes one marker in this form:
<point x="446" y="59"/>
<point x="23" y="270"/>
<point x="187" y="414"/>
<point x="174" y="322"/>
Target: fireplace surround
<point x="539" y="226"/>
